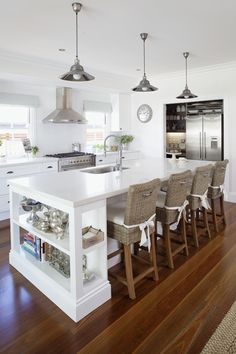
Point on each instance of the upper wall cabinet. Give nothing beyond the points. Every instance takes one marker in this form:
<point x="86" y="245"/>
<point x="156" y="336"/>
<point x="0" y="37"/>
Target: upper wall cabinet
<point x="121" y="112"/>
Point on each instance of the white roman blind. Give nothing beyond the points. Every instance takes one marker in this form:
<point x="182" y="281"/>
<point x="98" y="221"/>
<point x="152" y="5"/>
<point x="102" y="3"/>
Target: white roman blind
<point x="14" y="122"/>
<point x="19" y="100"/>
<point x="96" y="106"/>
<point x="98" y="117"/>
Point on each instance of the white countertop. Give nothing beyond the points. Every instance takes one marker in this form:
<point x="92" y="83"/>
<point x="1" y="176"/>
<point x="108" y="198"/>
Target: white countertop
<point x="24" y="160"/>
<point x="74" y="188"/>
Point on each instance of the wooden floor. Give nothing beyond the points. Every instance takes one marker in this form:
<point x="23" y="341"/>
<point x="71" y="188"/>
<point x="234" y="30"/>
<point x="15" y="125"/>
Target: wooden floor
<point x="175" y="315"/>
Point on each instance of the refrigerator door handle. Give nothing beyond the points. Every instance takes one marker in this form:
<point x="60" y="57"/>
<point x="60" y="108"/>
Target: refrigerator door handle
<point x="200" y="145"/>
<point x="205" y="145"/>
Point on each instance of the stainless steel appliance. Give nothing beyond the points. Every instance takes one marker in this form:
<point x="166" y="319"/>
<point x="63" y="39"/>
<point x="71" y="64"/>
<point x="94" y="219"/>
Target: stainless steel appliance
<point x="64" y="114"/>
<point x="204" y="136"/>
<point x="74" y="160"/>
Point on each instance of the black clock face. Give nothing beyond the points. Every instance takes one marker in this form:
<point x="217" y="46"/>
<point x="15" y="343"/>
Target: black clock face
<point x="144" y="113"/>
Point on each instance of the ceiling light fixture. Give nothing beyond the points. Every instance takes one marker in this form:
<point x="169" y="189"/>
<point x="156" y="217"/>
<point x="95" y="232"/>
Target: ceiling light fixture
<point x="144" y="85"/>
<point x="77" y="72"/>
<point x="186" y="92"/>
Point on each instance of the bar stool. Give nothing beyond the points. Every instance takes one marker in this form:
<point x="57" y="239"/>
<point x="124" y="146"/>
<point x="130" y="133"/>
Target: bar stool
<point x="216" y="191"/>
<point x="131" y="222"/>
<point x="198" y="200"/>
<point x="170" y="208"/>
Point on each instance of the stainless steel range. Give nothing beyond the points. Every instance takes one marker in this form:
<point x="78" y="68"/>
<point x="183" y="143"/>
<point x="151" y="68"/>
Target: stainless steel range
<point x="74" y="160"/>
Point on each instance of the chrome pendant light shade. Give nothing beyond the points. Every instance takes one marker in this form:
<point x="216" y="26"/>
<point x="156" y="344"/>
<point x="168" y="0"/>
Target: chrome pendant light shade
<point x="144" y="85"/>
<point x="77" y="72"/>
<point x="186" y="92"/>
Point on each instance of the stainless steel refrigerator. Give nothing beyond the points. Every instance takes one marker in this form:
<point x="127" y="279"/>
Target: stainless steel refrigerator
<point x="204" y="137"/>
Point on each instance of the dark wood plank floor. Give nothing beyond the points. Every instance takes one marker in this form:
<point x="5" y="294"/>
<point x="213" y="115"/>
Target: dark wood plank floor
<point x="176" y="315"/>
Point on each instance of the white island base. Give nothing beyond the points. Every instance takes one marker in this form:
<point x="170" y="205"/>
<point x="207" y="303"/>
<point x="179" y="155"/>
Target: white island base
<point x="75" y="309"/>
<point x="84" y="197"/>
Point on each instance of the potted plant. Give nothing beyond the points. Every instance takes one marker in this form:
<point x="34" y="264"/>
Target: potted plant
<point x="125" y="140"/>
<point x="34" y="150"/>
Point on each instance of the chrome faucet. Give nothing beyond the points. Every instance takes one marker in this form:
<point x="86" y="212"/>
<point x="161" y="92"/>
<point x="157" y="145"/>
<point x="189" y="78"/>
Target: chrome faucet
<point x="119" y="160"/>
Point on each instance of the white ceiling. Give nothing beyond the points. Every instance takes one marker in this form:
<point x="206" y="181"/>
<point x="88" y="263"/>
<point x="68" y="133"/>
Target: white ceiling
<point x="109" y="32"/>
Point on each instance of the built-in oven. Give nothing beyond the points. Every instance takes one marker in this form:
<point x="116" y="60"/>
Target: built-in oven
<point x="74" y="160"/>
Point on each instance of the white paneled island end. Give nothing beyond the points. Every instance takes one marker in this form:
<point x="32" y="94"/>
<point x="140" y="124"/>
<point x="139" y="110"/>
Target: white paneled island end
<point x="82" y="196"/>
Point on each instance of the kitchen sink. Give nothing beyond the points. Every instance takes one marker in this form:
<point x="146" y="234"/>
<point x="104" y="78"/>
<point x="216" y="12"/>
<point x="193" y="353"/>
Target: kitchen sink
<point x="104" y="169"/>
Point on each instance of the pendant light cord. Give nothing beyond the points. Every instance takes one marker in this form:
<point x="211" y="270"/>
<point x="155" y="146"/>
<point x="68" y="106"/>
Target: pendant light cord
<point x="186" y="73"/>
<point x="144" y="60"/>
<point x="76" y="36"/>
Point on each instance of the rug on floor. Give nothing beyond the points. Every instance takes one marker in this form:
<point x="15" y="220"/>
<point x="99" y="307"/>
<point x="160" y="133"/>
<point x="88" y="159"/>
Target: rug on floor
<point x="223" y="339"/>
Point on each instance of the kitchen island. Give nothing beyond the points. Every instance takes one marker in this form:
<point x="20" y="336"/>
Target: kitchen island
<point x="83" y="195"/>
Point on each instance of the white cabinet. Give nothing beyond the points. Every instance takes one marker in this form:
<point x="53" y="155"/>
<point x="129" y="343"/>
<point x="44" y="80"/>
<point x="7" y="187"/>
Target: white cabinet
<point x="4" y="203"/>
<point x="49" y="167"/>
<point x="108" y="159"/>
<point x="131" y="155"/>
<point x="111" y="158"/>
<point x="12" y="171"/>
<point x="121" y="112"/>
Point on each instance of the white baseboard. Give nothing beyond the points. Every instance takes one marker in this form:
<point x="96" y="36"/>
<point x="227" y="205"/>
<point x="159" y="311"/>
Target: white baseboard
<point x="231" y="197"/>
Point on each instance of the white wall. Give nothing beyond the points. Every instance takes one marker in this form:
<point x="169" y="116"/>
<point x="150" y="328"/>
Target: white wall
<point x="54" y="138"/>
<point x="218" y="83"/>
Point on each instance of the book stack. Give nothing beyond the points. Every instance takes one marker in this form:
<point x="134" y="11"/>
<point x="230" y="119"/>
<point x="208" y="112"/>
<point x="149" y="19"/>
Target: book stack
<point x="32" y="245"/>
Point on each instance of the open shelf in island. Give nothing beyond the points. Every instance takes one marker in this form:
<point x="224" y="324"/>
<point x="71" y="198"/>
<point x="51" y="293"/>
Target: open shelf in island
<point x="49" y="237"/>
<point x="35" y="267"/>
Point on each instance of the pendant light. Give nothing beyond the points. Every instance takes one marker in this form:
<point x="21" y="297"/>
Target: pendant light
<point x="144" y="85"/>
<point x="77" y="72"/>
<point x="186" y="92"/>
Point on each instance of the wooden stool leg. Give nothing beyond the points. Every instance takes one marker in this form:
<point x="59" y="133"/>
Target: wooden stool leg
<point x="166" y="234"/>
<point x="194" y="228"/>
<point x="205" y="217"/>
<point x="222" y="208"/>
<point x="213" y="207"/>
<point x="129" y="272"/>
<point x="154" y="256"/>
<point x="183" y="231"/>
<point x="136" y="248"/>
<point x="197" y="214"/>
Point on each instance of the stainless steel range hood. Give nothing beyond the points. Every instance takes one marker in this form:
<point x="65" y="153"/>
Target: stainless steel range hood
<point x="63" y="113"/>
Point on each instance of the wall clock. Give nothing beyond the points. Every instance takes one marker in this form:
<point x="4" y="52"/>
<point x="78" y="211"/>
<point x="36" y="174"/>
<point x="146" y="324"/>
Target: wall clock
<point x="144" y="113"/>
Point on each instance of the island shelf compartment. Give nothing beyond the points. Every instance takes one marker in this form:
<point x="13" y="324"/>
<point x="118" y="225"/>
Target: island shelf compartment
<point x="75" y="296"/>
<point x="96" y="254"/>
<point x="91" y="236"/>
<point x="42" y="269"/>
<point x="49" y="237"/>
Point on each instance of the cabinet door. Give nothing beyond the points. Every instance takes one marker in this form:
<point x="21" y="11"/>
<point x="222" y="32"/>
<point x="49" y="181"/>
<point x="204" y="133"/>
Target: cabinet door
<point x="49" y="167"/>
<point x="4" y="186"/>
<point x="14" y="171"/>
<point x="108" y="159"/>
<point x="4" y="203"/>
<point x="130" y="155"/>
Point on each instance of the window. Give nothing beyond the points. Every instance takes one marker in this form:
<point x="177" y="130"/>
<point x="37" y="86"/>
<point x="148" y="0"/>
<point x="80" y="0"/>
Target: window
<point x="98" y="128"/>
<point x="14" y="122"/>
